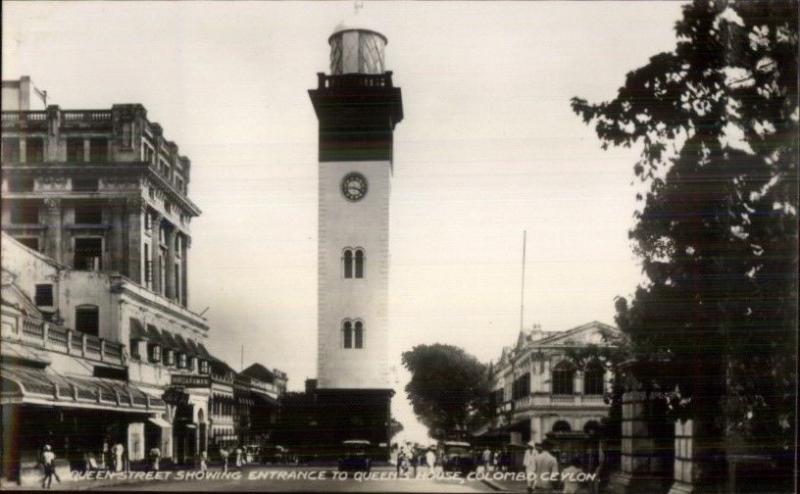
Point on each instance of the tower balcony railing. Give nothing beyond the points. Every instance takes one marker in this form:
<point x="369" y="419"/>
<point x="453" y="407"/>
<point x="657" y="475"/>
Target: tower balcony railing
<point x="353" y="81"/>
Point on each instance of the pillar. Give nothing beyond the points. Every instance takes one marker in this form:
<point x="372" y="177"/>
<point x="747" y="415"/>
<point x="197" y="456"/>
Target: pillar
<point x="133" y="238"/>
<point x="116" y="238"/>
<point x="53" y="245"/>
<point x="169" y="276"/>
<point x="645" y="463"/>
<point x="51" y="144"/>
<point x="185" y="270"/>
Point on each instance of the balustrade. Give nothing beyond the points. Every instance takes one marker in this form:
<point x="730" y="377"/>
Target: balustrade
<point x="63" y="340"/>
<point x="86" y="115"/>
<point x="34" y="329"/>
<point x="58" y="337"/>
<point x="354" y="80"/>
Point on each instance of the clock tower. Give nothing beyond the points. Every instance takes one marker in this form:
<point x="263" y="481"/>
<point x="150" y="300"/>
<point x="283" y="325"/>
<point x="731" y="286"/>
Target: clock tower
<point x="357" y="107"/>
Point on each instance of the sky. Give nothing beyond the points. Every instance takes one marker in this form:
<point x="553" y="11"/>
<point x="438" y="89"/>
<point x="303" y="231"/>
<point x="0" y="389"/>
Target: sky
<point x="488" y="148"/>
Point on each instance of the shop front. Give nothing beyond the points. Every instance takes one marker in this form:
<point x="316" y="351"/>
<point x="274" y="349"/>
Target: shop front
<point x="81" y="418"/>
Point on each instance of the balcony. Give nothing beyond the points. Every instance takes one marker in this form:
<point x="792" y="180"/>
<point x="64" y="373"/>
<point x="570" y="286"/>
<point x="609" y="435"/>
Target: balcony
<point x="53" y="338"/>
<point x="354" y="81"/>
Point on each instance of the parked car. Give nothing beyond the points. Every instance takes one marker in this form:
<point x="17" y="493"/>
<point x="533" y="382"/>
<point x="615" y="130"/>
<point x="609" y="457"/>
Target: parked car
<point x="457" y="456"/>
<point x="354" y="456"/>
<point x="274" y="454"/>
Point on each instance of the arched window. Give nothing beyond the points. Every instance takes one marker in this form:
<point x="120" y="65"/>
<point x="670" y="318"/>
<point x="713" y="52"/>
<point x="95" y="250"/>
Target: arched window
<point x="87" y="319"/>
<point x="563" y="379"/>
<point x="561" y="426"/>
<point x="347" y="329"/>
<point x="591" y="427"/>
<point x="359" y="263"/>
<point x="353" y="263"/>
<point x="359" y="335"/>
<point x="348" y="263"/>
<point x="593" y="379"/>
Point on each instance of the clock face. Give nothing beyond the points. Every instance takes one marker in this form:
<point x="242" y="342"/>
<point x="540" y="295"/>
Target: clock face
<point x="354" y="186"/>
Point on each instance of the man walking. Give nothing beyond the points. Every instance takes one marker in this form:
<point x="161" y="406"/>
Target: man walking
<point x="529" y="463"/>
<point x="430" y="459"/>
<point x="49" y="463"/>
<point x="546" y="467"/>
<point x="118" y="450"/>
<point x="223" y="453"/>
<point x="155" y="458"/>
<point x="486" y="459"/>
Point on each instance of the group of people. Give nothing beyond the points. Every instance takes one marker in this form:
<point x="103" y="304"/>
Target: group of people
<point x="495" y="460"/>
<point x="112" y="457"/>
<point x="239" y="457"/>
<point x="411" y="458"/>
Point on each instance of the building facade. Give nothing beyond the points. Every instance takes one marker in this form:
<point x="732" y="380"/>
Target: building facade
<point x="539" y="390"/>
<point x="96" y="232"/>
<point x="100" y="190"/>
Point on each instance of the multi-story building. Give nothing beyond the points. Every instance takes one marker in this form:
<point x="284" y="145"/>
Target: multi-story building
<point x="95" y="219"/>
<point x="99" y="190"/>
<point x="539" y="389"/>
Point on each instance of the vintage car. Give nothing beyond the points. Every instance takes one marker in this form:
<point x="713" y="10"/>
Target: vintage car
<point x="274" y="454"/>
<point x="457" y="456"/>
<point x="355" y="457"/>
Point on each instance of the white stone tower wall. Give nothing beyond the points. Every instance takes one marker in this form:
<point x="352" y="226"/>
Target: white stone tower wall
<point x="363" y="224"/>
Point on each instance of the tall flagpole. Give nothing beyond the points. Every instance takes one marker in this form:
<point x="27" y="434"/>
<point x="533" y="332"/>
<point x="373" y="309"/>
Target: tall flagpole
<point x="522" y="295"/>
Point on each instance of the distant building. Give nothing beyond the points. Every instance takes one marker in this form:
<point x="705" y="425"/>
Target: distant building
<point x="539" y="390"/>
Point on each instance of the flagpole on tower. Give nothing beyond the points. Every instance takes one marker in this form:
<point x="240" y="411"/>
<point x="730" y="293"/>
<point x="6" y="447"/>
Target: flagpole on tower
<point x="522" y="295"/>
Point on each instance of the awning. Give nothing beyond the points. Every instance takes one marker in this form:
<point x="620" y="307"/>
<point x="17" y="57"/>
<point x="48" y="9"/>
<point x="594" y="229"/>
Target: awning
<point x="22" y="384"/>
<point x="182" y="346"/>
<point x="158" y="421"/>
<point x="154" y="336"/>
<point x="169" y="341"/>
<point x="137" y="330"/>
<point x="193" y="347"/>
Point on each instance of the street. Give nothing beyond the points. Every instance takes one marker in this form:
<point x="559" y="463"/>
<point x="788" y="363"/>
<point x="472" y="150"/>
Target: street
<point x="298" y="479"/>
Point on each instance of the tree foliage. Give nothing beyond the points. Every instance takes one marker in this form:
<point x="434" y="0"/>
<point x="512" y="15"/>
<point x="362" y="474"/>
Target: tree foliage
<point x="449" y="388"/>
<point x="717" y="120"/>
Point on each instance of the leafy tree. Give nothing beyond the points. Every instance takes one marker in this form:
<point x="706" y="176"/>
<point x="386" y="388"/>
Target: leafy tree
<point x="717" y="119"/>
<point x="449" y="388"/>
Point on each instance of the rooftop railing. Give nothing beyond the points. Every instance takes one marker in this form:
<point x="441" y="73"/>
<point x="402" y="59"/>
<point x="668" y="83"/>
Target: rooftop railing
<point x="86" y="115"/>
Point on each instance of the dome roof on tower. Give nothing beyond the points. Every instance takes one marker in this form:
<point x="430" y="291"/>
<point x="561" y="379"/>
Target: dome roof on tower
<point x="357" y="21"/>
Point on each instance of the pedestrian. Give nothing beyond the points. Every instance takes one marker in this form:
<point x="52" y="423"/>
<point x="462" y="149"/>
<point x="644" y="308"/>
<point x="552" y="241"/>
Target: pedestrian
<point x="572" y="482"/>
<point x="529" y="463"/>
<point x="155" y="458"/>
<point x="106" y="454"/>
<point x="223" y="453"/>
<point x="238" y="457"/>
<point x="415" y="458"/>
<point x="204" y="461"/>
<point x="546" y="467"/>
<point x="486" y="459"/>
<point x="117" y="451"/>
<point x="49" y="464"/>
<point x="430" y="460"/>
